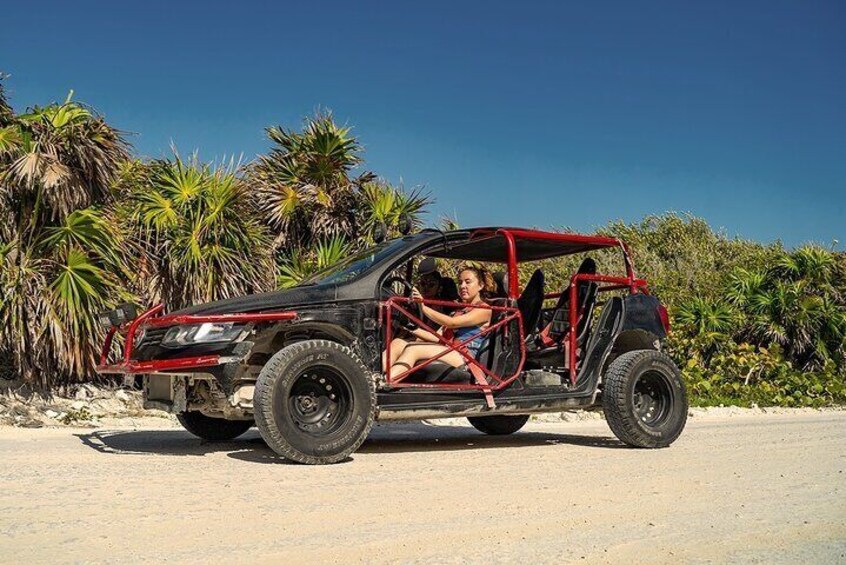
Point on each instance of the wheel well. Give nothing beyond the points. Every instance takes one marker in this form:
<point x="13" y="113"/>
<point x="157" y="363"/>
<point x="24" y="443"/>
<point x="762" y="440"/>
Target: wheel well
<point x="632" y="340"/>
<point x="286" y="335"/>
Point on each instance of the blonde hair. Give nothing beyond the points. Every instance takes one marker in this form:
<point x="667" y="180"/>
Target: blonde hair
<point x="484" y="276"/>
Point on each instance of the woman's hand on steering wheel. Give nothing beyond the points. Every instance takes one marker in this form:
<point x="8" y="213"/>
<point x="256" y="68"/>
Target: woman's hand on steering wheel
<point x="415" y="295"/>
<point x="414" y="307"/>
<point x="392" y="280"/>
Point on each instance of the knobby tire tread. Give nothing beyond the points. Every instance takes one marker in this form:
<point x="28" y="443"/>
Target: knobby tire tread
<point x="614" y="401"/>
<point x="212" y="429"/>
<point x="501" y="425"/>
<point x="263" y="402"/>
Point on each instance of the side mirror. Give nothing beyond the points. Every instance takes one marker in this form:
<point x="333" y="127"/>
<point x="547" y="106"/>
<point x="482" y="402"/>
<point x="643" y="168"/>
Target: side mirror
<point x="405" y="225"/>
<point x="125" y="312"/>
<point x="380" y="232"/>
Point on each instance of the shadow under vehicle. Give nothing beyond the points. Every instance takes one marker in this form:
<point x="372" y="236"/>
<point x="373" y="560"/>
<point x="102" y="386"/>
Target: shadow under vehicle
<point x="305" y="364"/>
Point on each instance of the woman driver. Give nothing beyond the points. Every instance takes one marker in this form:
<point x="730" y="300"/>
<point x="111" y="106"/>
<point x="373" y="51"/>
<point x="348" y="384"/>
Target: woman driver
<point x="473" y="281"/>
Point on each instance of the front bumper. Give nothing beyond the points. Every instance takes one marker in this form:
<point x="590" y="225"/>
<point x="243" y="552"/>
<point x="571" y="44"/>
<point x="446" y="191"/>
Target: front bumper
<point x="152" y="318"/>
<point x="165" y="365"/>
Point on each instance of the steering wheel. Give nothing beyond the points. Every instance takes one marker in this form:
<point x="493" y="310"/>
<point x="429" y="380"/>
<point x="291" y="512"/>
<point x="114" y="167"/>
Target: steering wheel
<point x="388" y="284"/>
<point x="413" y="307"/>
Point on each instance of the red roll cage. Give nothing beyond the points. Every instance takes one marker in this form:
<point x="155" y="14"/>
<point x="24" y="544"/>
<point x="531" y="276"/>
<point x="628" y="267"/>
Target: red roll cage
<point x="151" y="318"/>
<point x="520" y="245"/>
<point x="510" y="246"/>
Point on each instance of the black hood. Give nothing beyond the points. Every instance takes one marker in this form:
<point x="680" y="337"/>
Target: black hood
<point x="277" y="300"/>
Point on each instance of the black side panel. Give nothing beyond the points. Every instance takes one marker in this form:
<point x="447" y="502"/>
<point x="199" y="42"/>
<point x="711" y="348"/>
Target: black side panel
<point x="642" y="314"/>
<point x="601" y="340"/>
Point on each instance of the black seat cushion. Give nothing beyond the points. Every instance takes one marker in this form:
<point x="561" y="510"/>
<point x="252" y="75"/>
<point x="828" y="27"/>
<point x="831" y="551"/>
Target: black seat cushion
<point x="440" y="372"/>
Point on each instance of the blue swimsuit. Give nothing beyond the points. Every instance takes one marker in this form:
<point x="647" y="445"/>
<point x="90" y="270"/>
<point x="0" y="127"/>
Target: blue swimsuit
<point x="461" y="334"/>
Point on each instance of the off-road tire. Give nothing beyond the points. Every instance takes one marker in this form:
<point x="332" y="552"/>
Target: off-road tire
<point x="212" y="429"/>
<point x="644" y="399"/>
<point x="290" y="394"/>
<point x="502" y="425"/>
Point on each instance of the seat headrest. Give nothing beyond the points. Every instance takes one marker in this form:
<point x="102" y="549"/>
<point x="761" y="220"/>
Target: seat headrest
<point x="449" y="291"/>
<point x="531" y="301"/>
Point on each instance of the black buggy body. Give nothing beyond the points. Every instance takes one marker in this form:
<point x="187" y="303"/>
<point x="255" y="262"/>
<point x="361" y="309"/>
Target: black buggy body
<point x="305" y="364"/>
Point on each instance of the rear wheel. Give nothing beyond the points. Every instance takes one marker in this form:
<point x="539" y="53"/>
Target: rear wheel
<point x="644" y="399"/>
<point x="314" y="402"/>
<point x="498" y="425"/>
<point x="212" y="429"/>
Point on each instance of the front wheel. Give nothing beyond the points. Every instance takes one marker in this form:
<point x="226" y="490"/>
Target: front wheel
<point x="212" y="429"/>
<point x="644" y="399"/>
<point x="498" y="425"/>
<point x="314" y="402"/>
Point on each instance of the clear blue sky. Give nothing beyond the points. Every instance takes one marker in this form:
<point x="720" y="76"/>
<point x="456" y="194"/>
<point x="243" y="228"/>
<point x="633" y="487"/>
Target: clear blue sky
<point x="521" y="113"/>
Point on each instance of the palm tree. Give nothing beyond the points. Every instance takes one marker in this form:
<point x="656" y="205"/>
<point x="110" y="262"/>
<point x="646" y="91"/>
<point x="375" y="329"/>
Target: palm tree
<point x="712" y="322"/>
<point x="385" y="207"/>
<point x="449" y="223"/>
<point x="305" y="187"/>
<point x="707" y="317"/>
<point x="59" y="245"/>
<point x="310" y="198"/>
<point x="200" y="230"/>
<point x="810" y="263"/>
<point x="302" y="262"/>
<point x="797" y="304"/>
<point x="781" y="315"/>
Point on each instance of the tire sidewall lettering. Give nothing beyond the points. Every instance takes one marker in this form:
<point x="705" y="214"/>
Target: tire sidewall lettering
<point x="294" y="363"/>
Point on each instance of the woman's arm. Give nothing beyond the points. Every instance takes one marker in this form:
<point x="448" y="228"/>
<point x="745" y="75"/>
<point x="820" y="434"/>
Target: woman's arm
<point x="475" y="317"/>
<point x="425" y="335"/>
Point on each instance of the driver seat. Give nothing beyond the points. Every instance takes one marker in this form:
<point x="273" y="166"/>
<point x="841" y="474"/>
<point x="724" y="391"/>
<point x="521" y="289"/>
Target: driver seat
<point x="501" y="352"/>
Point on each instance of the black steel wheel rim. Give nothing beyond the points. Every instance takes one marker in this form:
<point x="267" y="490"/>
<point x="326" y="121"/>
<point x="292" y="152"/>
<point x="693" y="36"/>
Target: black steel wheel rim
<point x="319" y="401"/>
<point x="652" y="398"/>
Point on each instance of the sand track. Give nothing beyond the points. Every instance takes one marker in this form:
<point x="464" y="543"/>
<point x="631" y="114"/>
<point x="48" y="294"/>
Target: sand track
<point x="766" y="488"/>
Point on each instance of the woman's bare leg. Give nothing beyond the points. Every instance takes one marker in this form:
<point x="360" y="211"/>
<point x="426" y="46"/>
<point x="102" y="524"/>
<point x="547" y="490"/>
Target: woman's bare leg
<point x="397" y="346"/>
<point x="415" y="352"/>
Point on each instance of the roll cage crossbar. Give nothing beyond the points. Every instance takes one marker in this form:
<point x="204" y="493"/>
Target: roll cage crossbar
<point x="570" y="243"/>
<point x="153" y="318"/>
<point x="595" y="242"/>
<point x="476" y="368"/>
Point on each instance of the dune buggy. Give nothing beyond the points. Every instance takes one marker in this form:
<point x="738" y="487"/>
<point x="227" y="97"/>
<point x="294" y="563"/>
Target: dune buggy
<point x="305" y="364"/>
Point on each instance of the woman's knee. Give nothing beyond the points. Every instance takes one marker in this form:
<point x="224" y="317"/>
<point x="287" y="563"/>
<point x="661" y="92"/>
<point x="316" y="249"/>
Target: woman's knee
<point x="421" y="352"/>
<point x="397" y="346"/>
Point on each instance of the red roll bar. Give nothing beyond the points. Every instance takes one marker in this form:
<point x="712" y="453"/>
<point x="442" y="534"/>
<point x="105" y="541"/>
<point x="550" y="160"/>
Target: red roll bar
<point x="151" y="319"/>
<point x="499" y="381"/>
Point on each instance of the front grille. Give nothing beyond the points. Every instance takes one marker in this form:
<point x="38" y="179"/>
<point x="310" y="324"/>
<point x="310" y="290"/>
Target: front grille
<point x="152" y="336"/>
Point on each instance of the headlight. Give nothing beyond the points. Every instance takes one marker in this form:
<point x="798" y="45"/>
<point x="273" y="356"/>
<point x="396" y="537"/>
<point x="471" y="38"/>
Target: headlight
<point x="209" y="332"/>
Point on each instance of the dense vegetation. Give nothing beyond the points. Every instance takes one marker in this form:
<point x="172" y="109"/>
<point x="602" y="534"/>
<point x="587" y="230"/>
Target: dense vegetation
<point x="85" y="225"/>
<point x="752" y="324"/>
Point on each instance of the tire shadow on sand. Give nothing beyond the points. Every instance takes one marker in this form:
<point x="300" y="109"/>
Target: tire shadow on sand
<point x="421" y="437"/>
<point x="163" y="442"/>
<point x="391" y="438"/>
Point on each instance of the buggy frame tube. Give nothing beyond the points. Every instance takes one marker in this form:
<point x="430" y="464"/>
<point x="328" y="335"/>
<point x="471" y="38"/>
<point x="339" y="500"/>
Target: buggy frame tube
<point x="149" y="318"/>
<point x="512" y="314"/>
<point x="513" y="275"/>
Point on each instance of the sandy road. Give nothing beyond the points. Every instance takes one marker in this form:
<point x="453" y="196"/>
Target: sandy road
<point x="753" y="489"/>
